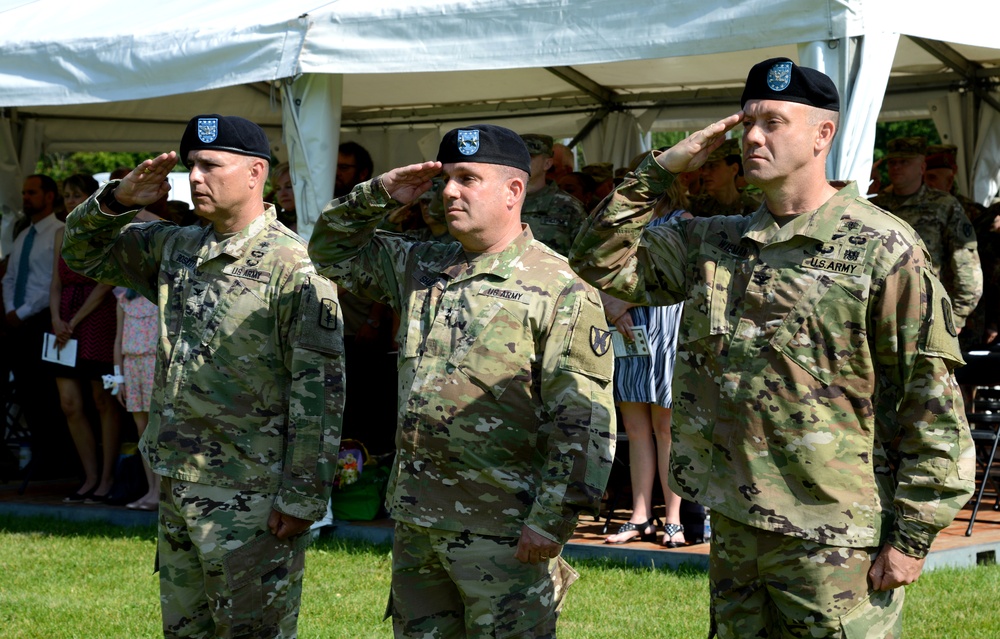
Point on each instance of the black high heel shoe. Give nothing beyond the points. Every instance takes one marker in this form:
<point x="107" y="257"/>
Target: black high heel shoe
<point x="640" y="528"/>
<point x="669" y="531"/>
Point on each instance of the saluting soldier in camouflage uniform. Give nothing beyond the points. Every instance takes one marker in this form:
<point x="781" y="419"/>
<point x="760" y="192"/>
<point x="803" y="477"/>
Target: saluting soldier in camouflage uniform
<point x="942" y="165"/>
<point x="815" y="410"/>
<point x="719" y="195"/>
<point x="553" y="215"/>
<point x="247" y="405"/>
<point x="505" y="406"/>
<point x="939" y="220"/>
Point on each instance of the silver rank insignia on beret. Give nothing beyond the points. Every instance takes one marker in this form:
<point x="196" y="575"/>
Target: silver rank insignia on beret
<point x="779" y="76"/>
<point x="208" y="129"/>
<point x="468" y="141"/>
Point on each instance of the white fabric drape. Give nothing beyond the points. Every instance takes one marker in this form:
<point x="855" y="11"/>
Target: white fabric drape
<point x="310" y="112"/>
<point x="617" y="139"/>
<point x="986" y="166"/>
<point x="860" y="99"/>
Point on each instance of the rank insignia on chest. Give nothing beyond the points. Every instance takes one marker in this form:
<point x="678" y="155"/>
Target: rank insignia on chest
<point x="328" y="314"/>
<point x="600" y="340"/>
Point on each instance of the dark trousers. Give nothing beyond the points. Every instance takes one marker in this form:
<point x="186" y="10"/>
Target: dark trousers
<point x="34" y="386"/>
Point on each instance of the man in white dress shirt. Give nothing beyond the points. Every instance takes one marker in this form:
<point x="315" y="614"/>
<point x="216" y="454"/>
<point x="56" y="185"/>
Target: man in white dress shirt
<point x="26" y="313"/>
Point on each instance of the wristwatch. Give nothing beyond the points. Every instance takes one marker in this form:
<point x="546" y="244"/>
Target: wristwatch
<point x="108" y="199"/>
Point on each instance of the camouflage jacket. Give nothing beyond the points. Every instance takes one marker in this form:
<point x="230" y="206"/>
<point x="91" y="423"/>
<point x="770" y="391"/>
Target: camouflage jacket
<point x="554" y="217"/>
<point x="813" y="393"/>
<point x="705" y="205"/>
<point x="940" y="221"/>
<point x="249" y="378"/>
<point x="505" y="406"/>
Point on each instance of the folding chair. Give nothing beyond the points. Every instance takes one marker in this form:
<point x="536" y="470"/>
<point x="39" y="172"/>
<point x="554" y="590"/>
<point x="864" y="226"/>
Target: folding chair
<point x="985" y="423"/>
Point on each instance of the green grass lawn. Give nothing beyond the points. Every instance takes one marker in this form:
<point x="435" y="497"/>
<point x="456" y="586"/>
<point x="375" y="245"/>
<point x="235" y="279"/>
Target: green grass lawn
<point x="62" y="580"/>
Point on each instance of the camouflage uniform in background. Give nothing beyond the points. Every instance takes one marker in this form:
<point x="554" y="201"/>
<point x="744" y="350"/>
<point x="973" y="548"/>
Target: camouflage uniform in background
<point x="704" y="205"/>
<point x="505" y="414"/>
<point x="813" y="389"/>
<point x="246" y="408"/>
<point x="940" y="221"/>
<point x="554" y="217"/>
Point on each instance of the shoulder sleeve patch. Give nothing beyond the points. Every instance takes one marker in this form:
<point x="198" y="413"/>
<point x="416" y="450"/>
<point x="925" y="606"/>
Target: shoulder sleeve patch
<point x="320" y="320"/>
<point x="940" y="337"/>
<point x="590" y="350"/>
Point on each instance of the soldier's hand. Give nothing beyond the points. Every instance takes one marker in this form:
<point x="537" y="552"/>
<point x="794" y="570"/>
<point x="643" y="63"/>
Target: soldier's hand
<point x="147" y="182"/>
<point x="892" y="569"/>
<point x="407" y="183"/>
<point x="283" y="525"/>
<point x="691" y="152"/>
<point x="533" y="548"/>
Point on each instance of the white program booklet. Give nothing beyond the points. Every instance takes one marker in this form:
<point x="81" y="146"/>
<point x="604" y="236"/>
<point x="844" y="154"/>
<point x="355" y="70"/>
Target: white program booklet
<point x="625" y="347"/>
<point x="65" y="355"/>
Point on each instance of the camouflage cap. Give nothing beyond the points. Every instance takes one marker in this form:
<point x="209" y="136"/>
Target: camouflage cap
<point x="600" y="171"/>
<point x="906" y="147"/>
<point x="538" y="144"/>
<point x="729" y="148"/>
<point x="942" y="156"/>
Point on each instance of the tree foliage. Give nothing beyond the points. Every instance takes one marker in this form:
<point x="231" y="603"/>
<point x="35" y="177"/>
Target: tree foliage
<point x="60" y="166"/>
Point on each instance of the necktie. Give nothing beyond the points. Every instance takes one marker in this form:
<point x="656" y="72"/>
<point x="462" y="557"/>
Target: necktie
<point x="21" y="283"/>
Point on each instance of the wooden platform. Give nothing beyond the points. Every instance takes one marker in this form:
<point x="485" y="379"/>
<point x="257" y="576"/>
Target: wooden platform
<point x="951" y="548"/>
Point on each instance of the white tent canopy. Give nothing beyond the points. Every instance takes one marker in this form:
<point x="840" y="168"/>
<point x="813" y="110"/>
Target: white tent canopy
<point x="395" y="74"/>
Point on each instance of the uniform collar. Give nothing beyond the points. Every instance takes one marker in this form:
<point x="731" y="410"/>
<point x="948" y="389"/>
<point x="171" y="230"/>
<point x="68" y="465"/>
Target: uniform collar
<point x="237" y="245"/>
<point x="820" y="224"/>
<point x="500" y="265"/>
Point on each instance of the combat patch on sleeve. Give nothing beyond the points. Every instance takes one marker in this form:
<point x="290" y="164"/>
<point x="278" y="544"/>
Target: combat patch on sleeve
<point x="600" y="340"/>
<point x="320" y="327"/>
<point x="589" y="349"/>
<point x="940" y="335"/>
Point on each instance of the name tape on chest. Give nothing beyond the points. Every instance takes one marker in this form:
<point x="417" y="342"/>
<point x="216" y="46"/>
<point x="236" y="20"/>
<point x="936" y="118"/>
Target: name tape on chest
<point x="247" y="273"/>
<point x="834" y="266"/>
<point x="187" y="261"/>
<point x="504" y="294"/>
<point x="731" y="248"/>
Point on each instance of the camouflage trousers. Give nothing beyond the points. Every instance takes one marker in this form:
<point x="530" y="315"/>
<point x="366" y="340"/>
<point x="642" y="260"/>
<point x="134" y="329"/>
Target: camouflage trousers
<point x="765" y="584"/>
<point x="222" y="572"/>
<point x="453" y="585"/>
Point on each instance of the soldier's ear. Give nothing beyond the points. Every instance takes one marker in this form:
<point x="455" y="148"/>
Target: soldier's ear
<point x="824" y="134"/>
<point x="515" y="189"/>
<point x="257" y="172"/>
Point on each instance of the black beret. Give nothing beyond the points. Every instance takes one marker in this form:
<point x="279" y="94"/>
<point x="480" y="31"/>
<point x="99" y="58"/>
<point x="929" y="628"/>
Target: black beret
<point x="224" y="133"/>
<point x="781" y="79"/>
<point x="486" y="144"/>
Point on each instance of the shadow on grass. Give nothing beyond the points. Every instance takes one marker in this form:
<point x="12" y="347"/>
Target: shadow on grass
<point x="68" y="528"/>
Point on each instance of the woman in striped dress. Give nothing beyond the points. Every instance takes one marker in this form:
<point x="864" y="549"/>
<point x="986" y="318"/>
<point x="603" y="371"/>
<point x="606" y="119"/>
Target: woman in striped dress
<point x="642" y="394"/>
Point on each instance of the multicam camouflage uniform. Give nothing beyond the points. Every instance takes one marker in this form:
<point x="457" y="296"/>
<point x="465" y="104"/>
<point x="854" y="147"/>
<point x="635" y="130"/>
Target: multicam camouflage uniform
<point x="554" y="217"/>
<point x="246" y="409"/>
<point x="505" y="408"/>
<point x="940" y="221"/>
<point x="704" y="205"/>
<point x="813" y="388"/>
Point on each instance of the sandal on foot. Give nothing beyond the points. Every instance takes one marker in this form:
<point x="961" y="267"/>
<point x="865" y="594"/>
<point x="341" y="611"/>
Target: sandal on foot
<point x="640" y="528"/>
<point x="669" y="532"/>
